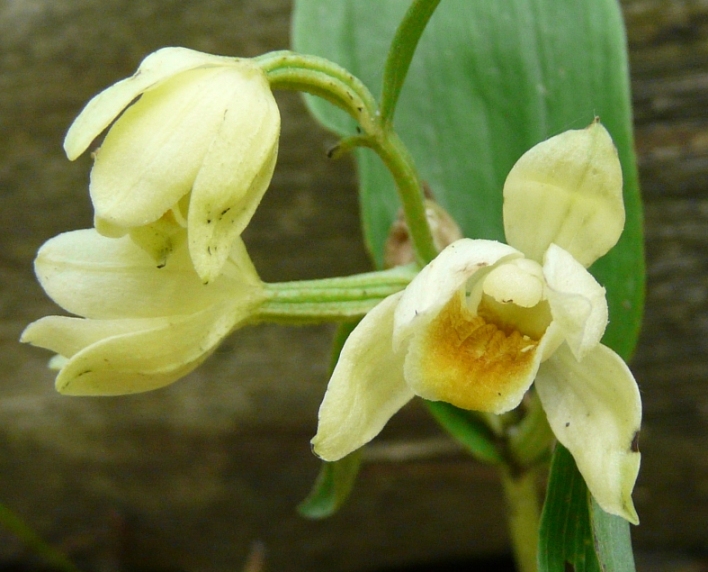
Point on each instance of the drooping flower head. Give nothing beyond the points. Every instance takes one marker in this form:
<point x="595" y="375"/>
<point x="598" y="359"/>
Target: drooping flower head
<point x="141" y="327"/>
<point x="484" y="320"/>
<point x="193" y="141"/>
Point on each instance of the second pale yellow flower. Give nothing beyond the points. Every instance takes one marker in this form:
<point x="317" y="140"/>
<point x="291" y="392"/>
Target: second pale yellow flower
<point x="193" y="141"/>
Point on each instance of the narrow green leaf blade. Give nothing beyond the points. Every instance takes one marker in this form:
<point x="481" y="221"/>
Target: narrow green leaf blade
<point x="399" y="59"/>
<point x="332" y="487"/>
<point x="566" y="542"/>
<point x="489" y="81"/>
<point x="468" y="430"/>
<point x="613" y="541"/>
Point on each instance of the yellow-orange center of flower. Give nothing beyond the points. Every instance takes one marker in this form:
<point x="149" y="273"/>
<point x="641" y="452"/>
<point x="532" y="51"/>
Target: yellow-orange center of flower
<point x="478" y="362"/>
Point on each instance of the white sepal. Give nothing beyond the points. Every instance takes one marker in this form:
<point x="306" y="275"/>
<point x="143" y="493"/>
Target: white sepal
<point x="568" y="191"/>
<point x="104" y="278"/>
<point x="150" y="157"/>
<point x="594" y="409"/>
<point x="578" y="302"/>
<point x="131" y="357"/>
<point x="235" y="173"/>
<point x="435" y="285"/>
<point x="107" y="105"/>
<point x="366" y="389"/>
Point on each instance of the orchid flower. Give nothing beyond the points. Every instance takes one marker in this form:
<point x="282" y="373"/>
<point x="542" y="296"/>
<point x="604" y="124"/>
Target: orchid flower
<point x="484" y="320"/>
<point x="192" y="142"/>
<point x="143" y="327"/>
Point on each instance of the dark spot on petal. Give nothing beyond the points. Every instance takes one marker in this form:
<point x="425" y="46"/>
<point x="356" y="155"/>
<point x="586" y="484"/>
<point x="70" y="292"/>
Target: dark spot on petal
<point x="209" y="250"/>
<point x="225" y="211"/>
<point x="567" y="423"/>
<point x="162" y="265"/>
<point x="635" y="443"/>
<point x="208" y="221"/>
<point x="84" y="372"/>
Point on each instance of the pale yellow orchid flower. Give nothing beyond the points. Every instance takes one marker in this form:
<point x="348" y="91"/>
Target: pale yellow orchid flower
<point x="142" y="326"/>
<point x="193" y="141"/>
<point x="484" y="320"/>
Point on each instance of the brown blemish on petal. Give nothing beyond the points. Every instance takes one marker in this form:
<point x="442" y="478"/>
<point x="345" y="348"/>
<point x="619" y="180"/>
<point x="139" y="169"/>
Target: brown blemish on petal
<point x="474" y="364"/>
<point x="634" y="447"/>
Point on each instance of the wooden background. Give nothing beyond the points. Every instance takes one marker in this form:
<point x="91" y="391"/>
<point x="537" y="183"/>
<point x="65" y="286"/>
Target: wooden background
<point x="191" y="476"/>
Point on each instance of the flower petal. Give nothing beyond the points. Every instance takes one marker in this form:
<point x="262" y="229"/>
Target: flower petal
<point x="366" y="388"/>
<point x="574" y="182"/>
<point x="68" y="336"/>
<point x="436" y="284"/>
<point x="98" y="277"/>
<point x="594" y="409"/>
<point x="578" y="303"/>
<point x="107" y="105"/>
<point x="518" y="282"/>
<point x="152" y="154"/>
<point x="236" y="172"/>
<point x="155" y="353"/>
<point x="159" y="239"/>
<point x="462" y="359"/>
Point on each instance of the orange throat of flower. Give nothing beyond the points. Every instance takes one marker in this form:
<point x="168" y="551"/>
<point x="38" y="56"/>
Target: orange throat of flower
<point x="481" y="362"/>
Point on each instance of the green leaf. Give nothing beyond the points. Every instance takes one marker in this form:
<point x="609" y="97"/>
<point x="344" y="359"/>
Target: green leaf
<point x="613" y="541"/>
<point x="566" y="542"/>
<point x="468" y="429"/>
<point x="399" y="60"/>
<point x="489" y="81"/>
<point x="332" y="487"/>
<point x="576" y="534"/>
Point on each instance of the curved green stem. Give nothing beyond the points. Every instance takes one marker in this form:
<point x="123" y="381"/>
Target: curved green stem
<point x="524" y="514"/>
<point x="397" y="159"/>
<point x="321" y="77"/>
